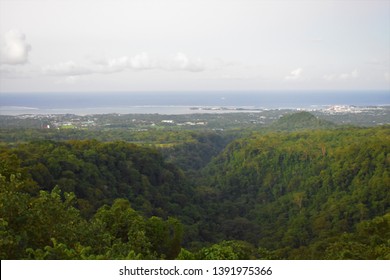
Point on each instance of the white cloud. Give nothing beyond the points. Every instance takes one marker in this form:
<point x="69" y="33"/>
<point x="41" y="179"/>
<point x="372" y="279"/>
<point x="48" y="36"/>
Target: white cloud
<point x="329" y="77"/>
<point x="181" y="62"/>
<point x="142" y="61"/>
<point x="294" y="75"/>
<point x="343" y="76"/>
<point x="113" y="65"/>
<point x="349" y="76"/>
<point x="108" y="66"/>
<point x="14" y="49"/>
<point x="387" y="76"/>
<point x="69" y="68"/>
<point x="70" y="80"/>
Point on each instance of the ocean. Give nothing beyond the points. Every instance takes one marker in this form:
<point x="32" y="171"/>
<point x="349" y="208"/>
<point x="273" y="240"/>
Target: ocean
<point x="186" y="102"/>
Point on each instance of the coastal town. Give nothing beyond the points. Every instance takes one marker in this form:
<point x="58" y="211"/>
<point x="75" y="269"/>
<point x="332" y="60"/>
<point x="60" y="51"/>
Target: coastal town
<point x="217" y="118"/>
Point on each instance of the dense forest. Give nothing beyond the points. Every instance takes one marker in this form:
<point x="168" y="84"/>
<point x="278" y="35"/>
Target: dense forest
<point x="301" y="188"/>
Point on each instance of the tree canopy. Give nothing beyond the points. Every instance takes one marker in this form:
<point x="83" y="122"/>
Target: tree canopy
<point x="268" y="194"/>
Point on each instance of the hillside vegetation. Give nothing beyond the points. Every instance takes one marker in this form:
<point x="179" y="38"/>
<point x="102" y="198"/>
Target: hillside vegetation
<point x="290" y="190"/>
<point x="301" y="121"/>
<point x="301" y="189"/>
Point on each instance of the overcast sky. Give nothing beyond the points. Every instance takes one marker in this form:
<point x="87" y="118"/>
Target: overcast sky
<point x="90" y="45"/>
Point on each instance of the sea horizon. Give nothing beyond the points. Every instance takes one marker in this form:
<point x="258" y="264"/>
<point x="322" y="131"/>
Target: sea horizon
<point x="182" y="102"/>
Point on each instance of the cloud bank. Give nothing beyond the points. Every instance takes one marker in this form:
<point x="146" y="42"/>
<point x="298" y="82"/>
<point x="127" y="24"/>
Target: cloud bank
<point x="142" y="61"/>
<point x="181" y="62"/>
<point x="294" y="75"/>
<point x="343" y="76"/>
<point x="69" y="68"/>
<point x="14" y="49"/>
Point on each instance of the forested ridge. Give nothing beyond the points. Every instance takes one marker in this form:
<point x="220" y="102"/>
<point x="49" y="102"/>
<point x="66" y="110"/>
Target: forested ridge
<point x="291" y="192"/>
<point x="302" y="189"/>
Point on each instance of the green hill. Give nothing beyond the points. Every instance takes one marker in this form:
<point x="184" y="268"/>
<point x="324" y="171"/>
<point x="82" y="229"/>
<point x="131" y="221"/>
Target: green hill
<point x="307" y="194"/>
<point x="98" y="173"/>
<point x="291" y="192"/>
<point x="301" y="121"/>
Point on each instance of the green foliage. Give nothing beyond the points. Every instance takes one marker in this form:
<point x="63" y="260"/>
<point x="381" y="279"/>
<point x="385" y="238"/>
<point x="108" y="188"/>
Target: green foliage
<point x="49" y="227"/>
<point x="166" y="236"/>
<point x="312" y="194"/>
<point x="99" y="172"/>
<point x="59" y="251"/>
<point x="34" y="221"/>
<point x="218" y="252"/>
<point x="228" y="250"/>
<point x="46" y="224"/>
<point x="301" y="121"/>
<point x="295" y="189"/>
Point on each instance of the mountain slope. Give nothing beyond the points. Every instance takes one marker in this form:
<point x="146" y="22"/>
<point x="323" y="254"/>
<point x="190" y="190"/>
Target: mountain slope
<point x="100" y="172"/>
<point x="288" y="190"/>
<point x="301" y="121"/>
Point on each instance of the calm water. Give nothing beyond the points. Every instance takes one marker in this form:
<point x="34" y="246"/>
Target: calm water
<point x="180" y="102"/>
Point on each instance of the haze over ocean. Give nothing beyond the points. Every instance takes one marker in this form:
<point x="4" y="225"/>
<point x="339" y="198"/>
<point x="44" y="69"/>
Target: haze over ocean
<point x="180" y="102"/>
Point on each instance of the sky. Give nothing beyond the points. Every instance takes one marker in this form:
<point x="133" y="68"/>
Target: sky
<point x="175" y="45"/>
